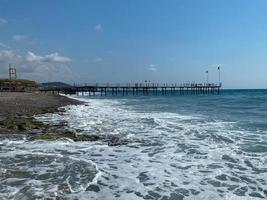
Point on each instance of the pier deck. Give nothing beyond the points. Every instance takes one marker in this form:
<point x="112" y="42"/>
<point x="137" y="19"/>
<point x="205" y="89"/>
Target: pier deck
<point x="136" y="89"/>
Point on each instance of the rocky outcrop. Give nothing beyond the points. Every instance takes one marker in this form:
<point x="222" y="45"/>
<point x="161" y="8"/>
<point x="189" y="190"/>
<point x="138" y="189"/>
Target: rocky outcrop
<point x="21" y="124"/>
<point x="69" y="135"/>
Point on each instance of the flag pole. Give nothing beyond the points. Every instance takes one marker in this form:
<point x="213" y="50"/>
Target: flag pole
<point x="207" y="72"/>
<point x="219" y="69"/>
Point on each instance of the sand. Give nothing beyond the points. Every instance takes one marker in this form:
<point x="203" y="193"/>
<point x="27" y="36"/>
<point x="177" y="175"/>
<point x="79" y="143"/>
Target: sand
<point x="18" y="108"/>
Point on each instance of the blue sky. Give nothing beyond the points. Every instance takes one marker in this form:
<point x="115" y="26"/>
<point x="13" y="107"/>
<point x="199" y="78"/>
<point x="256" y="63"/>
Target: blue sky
<point x="136" y="40"/>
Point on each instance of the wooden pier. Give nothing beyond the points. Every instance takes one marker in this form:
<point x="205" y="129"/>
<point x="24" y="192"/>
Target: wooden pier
<point x="136" y="89"/>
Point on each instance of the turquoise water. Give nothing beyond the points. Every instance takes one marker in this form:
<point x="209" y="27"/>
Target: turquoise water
<point x="164" y="147"/>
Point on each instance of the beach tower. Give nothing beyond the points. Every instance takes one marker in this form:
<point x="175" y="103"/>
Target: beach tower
<point x="12" y="73"/>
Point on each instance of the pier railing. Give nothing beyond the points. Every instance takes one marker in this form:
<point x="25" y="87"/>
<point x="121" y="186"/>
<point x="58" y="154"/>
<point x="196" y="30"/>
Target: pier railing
<point x="136" y="89"/>
<point x="178" y="85"/>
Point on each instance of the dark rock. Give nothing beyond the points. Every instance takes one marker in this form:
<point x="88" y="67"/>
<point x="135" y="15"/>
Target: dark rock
<point x="70" y="135"/>
<point x="21" y="124"/>
<point x="93" y="188"/>
<point x="175" y="196"/>
<point x="17" y="110"/>
<point x="229" y="159"/>
<point x="255" y="194"/>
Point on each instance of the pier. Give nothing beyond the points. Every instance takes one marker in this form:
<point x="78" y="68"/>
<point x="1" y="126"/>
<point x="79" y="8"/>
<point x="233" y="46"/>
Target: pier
<point x="136" y="89"/>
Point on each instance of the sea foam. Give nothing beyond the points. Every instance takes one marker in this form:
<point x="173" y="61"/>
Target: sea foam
<point x="157" y="155"/>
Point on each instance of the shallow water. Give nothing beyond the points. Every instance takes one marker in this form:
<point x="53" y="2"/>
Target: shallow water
<point x="183" y="147"/>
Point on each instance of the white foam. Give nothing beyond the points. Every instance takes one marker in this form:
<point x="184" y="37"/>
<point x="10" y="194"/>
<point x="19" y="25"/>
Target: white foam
<point x="166" y="153"/>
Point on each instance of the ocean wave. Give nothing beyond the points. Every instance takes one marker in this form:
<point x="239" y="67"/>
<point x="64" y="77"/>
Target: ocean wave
<point x="155" y="154"/>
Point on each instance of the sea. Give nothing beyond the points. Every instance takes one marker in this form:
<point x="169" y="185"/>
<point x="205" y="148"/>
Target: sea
<point x="179" y="147"/>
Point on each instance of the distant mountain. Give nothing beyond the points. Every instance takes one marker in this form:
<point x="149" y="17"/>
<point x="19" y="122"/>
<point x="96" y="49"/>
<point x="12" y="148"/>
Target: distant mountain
<point x="54" y="84"/>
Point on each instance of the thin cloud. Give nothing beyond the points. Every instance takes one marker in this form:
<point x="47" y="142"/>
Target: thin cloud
<point x="97" y="60"/>
<point x="49" y="67"/>
<point x="3" y="21"/>
<point x="55" y="57"/>
<point x="152" y="67"/>
<point x="2" y="45"/>
<point x="50" y="58"/>
<point x="7" y="55"/>
<point x="18" y="38"/>
<point x="98" y="27"/>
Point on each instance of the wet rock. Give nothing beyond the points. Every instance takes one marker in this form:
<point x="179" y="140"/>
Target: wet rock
<point x="93" y="188"/>
<point x="214" y="183"/>
<point x="50" y="110"/>
<point x="143" y="177"/>
<point x="70" y="135"/>
<point x="222" y="177"/>
<point x="175" y="196"/>
<point x="113" y="140"/>
<point x="148" y="197"/>
<point x="229" y="159"/>
<point x="255" y="194"/>
<point x="194" y="192"/>
<point x="182" y="191"/>
<point x="21" y="124"/>
<point x="241" y="191"/>
<point x="17" y="110"/>
<point x="16" y="174"/>
<point x="138" y="194"/>
<point x="234" y="179"/>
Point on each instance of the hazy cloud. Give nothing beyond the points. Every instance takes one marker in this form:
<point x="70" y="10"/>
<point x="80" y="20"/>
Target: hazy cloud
<point x="50" y="58"/>
<point x="18" y="38"/>
<point x="51" y="67"/>
<point x="98" y="27"/>
<point x="97" y="60"/>
<point x="2" y="45"/>
<point x="152" y="67"/>
<point x="3" y="21"/>
<point x="6" y="55"/>
<point x="31" y="57"/>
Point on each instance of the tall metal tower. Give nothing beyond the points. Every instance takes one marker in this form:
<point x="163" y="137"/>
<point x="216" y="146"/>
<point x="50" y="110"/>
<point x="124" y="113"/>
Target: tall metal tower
<point x="12" y="73"/>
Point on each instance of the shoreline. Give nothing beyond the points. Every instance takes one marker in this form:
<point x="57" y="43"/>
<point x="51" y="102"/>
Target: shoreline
<point x="18" y="109"/>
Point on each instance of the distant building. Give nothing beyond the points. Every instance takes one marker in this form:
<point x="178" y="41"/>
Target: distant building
<point x="17" y="85"/>
<point x="14" y="85"/>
